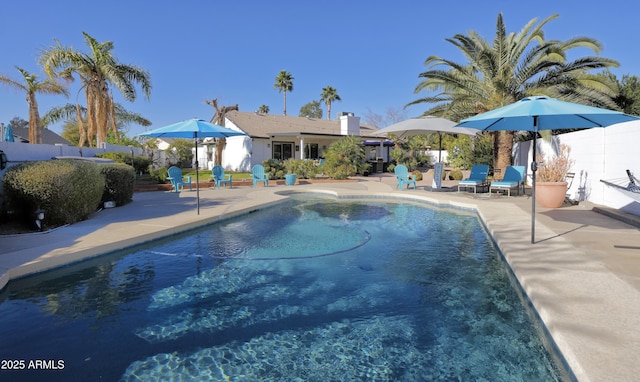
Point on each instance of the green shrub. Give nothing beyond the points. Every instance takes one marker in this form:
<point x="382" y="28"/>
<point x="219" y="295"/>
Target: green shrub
<point x="140" y="163"/>
<point x="304" y="169"/>
<point x="274" y="168"/>
<point x="116" y="156"/>
<point x="345" y="158"/>
<point x="119" y="180"/>
<point x="455" y="174"/>
<point x="69" y="190"/>
<point x="418" y="174"/>
<point x="160" y="174"/>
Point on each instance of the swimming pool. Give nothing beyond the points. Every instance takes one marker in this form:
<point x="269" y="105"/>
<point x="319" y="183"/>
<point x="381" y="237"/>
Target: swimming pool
<point x="305" y="290"/>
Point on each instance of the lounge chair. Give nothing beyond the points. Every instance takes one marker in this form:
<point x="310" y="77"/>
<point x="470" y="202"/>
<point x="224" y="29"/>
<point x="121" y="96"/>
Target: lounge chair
<point x="177" y="180"/>
<point x="258" y="175"/>
<point x="477" y="178"/>
<point x="514" y="177"/>
<point x="403" y="177"/>
<point x="219" y="177"/>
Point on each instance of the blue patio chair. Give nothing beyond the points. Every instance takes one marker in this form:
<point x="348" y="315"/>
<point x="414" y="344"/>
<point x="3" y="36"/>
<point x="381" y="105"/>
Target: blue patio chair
<point x="220" y="178"/>
<point x="514" y="177"/>
<point x="477" y="178"/>
<point x="177" y="180"/>
<point x="258" y="175"/>
<point x="403" y="177"/>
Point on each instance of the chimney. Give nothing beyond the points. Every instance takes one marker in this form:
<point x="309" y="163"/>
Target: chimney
<point x="349" y="124"/>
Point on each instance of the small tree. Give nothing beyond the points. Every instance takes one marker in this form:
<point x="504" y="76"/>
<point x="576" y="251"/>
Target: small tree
<point x="311" y="110"/>
<point x="181" y="148"/>
<point x="465" y="151"/>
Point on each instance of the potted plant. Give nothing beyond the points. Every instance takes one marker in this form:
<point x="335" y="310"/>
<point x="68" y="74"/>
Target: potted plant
<point x="291" y="176"/>
<point x="551" y="184"/>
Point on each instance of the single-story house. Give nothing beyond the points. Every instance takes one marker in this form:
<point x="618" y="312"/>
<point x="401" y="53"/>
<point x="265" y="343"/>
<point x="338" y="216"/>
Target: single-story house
<point x="21" y="134"/>
<point x="281" y="137"/>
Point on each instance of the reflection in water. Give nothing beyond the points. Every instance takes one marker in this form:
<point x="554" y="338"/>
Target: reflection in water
<point x="288" y="293"/>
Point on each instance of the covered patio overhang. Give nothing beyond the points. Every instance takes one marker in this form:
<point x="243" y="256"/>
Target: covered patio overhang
<point x="301" y="138"/>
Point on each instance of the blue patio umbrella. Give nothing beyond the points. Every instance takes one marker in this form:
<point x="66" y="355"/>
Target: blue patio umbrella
<point x="543" y="113"/>
<point x="193" y="129"/>
<point x="8" y="134"/>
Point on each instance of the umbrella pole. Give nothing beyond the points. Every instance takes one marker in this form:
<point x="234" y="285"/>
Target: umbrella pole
<point x="534" y="168"/>
<point x="440" y="152"/>
<point x="195" y="140"/>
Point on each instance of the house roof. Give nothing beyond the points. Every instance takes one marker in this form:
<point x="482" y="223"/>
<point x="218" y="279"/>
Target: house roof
<point x="21" y="134"/>
<point x="258" y="125"/>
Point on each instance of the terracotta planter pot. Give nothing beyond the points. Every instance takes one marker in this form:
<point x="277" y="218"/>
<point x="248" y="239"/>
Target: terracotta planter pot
<point x="551" y="194"/>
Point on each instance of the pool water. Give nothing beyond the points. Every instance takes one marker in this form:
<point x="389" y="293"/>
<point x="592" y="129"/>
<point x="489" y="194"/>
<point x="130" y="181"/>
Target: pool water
<point x="307" y="290"/>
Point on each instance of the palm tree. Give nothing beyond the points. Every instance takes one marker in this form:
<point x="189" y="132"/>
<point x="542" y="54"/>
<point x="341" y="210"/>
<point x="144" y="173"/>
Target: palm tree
<point x="514" y="66"/>
<point x="98" y="71"/>
<point x="284" y="83"/>
<point x="329" y="94"/>
<point x="31" y="86"/>
<point x="263" y="109"/>
<point x="69" y="112"/>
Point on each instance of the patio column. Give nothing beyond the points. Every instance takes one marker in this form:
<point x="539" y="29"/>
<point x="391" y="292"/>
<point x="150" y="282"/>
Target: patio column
<point x="301" y="148"/>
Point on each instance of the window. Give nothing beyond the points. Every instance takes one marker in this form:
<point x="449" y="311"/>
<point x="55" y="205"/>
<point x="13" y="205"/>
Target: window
<point x="311" y="151"/>
<point x="282" y="150"/>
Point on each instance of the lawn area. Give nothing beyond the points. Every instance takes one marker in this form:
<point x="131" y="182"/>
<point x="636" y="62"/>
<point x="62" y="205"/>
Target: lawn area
<point x="206" y="174"/>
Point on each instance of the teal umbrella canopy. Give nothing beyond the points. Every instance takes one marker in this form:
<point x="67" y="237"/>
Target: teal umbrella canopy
<point x="543" y="113"/>
<point x="193" y="129"/>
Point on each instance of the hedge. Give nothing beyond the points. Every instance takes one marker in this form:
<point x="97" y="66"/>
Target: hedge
<point x="69" y="190"/>
<point x="119" y="180"/>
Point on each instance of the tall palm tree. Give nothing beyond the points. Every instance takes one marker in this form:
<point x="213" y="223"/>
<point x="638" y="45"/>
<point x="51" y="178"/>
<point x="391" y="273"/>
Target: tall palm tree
<point x="69" y="112"/>
<point x="329" y="95"/>
<point x="98" y="71"/>
<point x="284" y="83"/>
<point x="31" y="86"/>
<point x="513" y="66"/>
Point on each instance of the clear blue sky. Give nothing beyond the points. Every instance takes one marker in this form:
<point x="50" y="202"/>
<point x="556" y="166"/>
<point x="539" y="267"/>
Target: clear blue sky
<point x="370" y="51"/>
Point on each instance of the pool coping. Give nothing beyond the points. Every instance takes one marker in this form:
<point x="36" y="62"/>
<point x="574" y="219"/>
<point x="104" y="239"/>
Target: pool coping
<point x="590" y="311"/>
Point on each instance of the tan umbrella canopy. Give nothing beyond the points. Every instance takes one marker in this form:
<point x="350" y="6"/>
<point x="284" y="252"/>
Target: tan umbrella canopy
<point x="425" y="125"/>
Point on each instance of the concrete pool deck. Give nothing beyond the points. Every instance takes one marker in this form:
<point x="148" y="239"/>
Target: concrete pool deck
<point x="582" y="275"/>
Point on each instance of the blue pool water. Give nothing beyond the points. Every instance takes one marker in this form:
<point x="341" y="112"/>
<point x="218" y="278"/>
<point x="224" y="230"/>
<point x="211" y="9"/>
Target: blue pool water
<point x="308" y="290"/>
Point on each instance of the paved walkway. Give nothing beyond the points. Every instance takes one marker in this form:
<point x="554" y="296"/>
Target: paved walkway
<point x="582" y="274"/>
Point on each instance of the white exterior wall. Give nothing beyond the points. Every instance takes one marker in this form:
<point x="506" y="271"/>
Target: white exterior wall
<point x="237" y="155"/>
<point x="240" y="151"/>
<point x="599" y="153"/>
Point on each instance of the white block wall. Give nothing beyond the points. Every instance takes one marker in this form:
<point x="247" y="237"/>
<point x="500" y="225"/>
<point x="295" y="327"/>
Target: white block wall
<point x="599" y="153"/>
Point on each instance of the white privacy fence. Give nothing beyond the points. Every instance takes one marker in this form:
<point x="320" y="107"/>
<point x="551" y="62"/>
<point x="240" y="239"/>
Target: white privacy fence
<point x="18" y="152"/>
<point x="599" y="153"/>
<point x="24" y="152"/>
